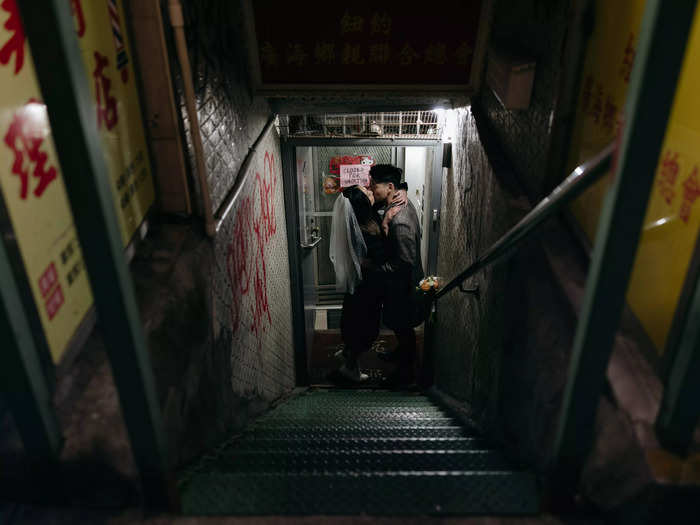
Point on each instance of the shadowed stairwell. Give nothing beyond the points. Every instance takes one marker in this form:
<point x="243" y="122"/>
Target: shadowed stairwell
<point x="173" y="322"/>
<point x="355" y="452"/>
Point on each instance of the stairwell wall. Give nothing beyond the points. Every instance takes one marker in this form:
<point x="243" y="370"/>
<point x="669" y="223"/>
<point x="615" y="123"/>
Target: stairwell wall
<point x="505" y="354"/>
<point x="223" y="346"/>
<point x="468" y="335"/>
<point x="538" y="30"/>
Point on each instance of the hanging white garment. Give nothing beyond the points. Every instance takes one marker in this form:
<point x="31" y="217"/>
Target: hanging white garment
<point x="347" y="246"/>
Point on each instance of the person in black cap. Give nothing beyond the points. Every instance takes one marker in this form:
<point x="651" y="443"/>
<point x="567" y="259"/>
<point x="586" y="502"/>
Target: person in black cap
<point x="403" y="269"/>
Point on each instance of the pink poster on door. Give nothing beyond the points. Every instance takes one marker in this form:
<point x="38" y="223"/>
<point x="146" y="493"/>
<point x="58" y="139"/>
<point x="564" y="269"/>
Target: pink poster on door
<point x="354" y="174"/>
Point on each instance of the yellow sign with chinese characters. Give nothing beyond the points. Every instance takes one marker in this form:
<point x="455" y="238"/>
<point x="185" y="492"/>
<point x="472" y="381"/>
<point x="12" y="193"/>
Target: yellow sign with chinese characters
<point x="33" y="193"/>
<point x="671" y="223"/>
<point x="109" y="66"/>
<point x="672" y="219"/>
<point x="606" y="74"/>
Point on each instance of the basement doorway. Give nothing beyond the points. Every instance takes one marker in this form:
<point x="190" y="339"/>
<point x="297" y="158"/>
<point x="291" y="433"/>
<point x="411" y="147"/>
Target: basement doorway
<point x="316" y="155"/>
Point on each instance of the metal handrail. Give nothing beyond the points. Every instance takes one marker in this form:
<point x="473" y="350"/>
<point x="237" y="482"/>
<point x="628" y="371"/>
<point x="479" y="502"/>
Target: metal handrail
<point x="578" y="181"/>
<point x="232" y="195"/>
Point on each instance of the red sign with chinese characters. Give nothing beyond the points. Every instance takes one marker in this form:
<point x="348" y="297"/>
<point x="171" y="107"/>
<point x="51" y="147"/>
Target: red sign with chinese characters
<point x="336" y="162"/>
<point x="386" y="42"/>
<point x="54" y="302"/>
<point x="48" y="279"/>
<point x="51" y="291"/>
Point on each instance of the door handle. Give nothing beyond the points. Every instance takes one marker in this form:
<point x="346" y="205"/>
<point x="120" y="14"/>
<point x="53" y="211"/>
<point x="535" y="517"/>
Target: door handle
<point x="311" y="244"/>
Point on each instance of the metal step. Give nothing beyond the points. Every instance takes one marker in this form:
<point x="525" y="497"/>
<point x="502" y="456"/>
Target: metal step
<point x="377" y="404"/>
<point x="345" y="461"/>
<point x="357" y="412"/>
<point x="365" y="395"/>
<point x="360" y="393"/>
<point x="357" y="452"/>
<point x="357" y="432"/>
<point x="351" y="424"/>
<point x="354" y="416"/>
<point x="404" y="493"/>
<point x="362" y="444"/>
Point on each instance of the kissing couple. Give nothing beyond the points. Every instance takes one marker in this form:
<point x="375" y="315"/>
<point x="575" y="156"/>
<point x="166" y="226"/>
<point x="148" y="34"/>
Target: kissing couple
<point x="375" y="249"/>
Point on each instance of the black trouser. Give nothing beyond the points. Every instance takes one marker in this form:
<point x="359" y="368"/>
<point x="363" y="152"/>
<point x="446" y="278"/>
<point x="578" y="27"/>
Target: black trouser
<point x="398" y="314"/>
<point x="407" y="346"/>
<point x="359" y="322"/>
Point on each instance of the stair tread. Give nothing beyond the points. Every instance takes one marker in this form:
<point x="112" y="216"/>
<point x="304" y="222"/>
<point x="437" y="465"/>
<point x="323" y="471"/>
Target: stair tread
<point x="340" y="413"/>
<point x="378" y="404"/>
<point x="350" y="432"/>
<point x="349" y="423"/>
<point x="363" y="403"/>
<point x="355" y="461"/>
<point x="370" y="443"/>
<point x="501" y="473"/>
<point x="343" y="452"/>
<point x="386" y="493"/>
<point x="359" y="411"/>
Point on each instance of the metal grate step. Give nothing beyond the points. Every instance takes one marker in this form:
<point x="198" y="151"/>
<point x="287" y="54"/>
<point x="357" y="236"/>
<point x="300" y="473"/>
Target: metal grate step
<point x="358" y="432"/>
<point x="362" y="444"/>
<point x="405" y="493"/>
<point x="357" y="452"/>
<point x="349" y="394"/>
<point x="351" y="424"/>
<point x="331" y="405"/>
<point x="356" y="412"/>
<point x="368" y="417"/>
<point x="345" y="461"/>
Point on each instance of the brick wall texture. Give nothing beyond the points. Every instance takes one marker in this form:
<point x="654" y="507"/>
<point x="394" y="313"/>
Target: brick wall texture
<point x="223" y="346"/>
<point x="251" y="296"/>
<point x="468" y="332"/>
<point x="536" y="28"/>
<point x="505" y="353"/>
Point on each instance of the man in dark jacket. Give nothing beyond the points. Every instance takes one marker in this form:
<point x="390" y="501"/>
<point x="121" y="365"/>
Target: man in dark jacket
<point x="403" y="269"/>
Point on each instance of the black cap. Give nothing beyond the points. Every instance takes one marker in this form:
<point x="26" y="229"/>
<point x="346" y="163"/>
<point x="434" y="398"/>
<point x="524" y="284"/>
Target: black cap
<point x="386" y="173"/>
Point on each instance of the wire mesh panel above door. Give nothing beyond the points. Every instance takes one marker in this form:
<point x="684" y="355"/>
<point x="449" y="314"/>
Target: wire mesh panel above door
<point x="388" y="124"/>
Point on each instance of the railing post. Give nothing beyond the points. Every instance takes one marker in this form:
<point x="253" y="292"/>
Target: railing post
<point x="679" y="412"/>
<point x="662" y="43"/>
<point x="22" y="379"/>
<point x="59" y="67"/>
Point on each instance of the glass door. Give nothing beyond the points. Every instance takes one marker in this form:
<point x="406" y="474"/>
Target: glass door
<point x="327" y="161"/>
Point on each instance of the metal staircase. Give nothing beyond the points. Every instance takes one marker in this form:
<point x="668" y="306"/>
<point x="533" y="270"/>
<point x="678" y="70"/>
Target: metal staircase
<point x="357" y="452"/>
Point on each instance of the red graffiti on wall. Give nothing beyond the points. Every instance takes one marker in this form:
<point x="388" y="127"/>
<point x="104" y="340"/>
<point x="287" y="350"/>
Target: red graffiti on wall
<point x="254" y="227"/>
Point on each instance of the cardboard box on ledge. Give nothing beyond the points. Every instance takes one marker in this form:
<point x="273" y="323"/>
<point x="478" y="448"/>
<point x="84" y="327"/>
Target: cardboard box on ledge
<point x="510" y="77"/>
